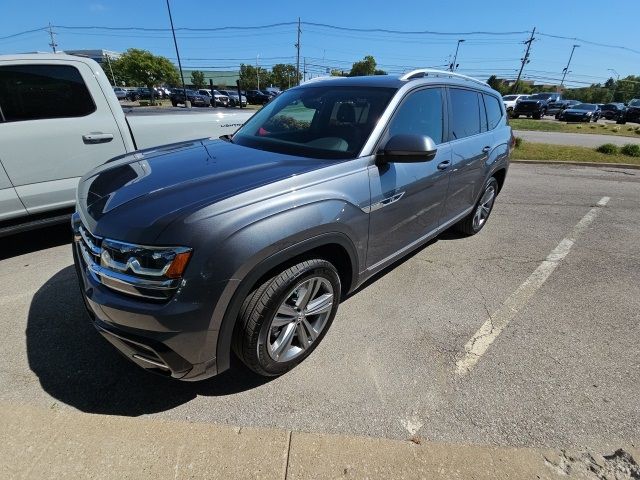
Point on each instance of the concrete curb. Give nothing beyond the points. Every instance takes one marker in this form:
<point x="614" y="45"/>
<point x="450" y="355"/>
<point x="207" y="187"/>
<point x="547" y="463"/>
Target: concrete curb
<point x="41" y="443"/>
<point x="579" y="164"/>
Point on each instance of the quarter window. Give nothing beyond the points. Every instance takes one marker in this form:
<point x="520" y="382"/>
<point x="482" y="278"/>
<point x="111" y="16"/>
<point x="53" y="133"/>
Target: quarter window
<point x="465" y="113"/>
<point x="422" y="114"/>
<point x="494" y="111"/>
<point x="34" y="92"/>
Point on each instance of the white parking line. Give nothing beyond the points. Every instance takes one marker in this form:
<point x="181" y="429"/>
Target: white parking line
<point x="496" y="323"/>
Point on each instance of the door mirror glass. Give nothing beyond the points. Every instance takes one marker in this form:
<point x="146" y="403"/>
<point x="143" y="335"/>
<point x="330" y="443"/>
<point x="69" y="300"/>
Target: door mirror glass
<point x="404" y="148"/>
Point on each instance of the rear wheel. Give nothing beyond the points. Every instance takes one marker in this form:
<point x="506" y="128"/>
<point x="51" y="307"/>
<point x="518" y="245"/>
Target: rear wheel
<point x="284" y="319"/>
<point x="478" y="217"/>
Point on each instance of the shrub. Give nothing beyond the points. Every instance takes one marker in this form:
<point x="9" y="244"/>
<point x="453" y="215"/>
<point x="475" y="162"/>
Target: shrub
<point x="608" y="149"/>
<point x="615" y="129"/>
<point x="631" y="150"/>
<point x="593" y="126"/>
<point x="518" y="142"/>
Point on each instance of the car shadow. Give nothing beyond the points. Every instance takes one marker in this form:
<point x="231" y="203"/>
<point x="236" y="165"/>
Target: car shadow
<point x="34" y="240"/>
<point x="76" y="366"/>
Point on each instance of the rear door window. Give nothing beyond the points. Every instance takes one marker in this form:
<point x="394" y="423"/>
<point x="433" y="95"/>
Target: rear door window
<point x="494" y="110"/>
<point x="35" y="92"/>
<point x="465" y="113"/>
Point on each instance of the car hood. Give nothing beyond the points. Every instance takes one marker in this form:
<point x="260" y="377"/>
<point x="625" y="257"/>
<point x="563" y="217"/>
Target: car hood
<point x="159" y="185"/>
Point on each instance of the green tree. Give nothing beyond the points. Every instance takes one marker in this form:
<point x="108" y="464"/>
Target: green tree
<point x="283" y="75"/>
<point x="141" y="67"/>
<point x="366" y="66"/>
<point x="197" y="79"/>
<point x="249" y="77"/>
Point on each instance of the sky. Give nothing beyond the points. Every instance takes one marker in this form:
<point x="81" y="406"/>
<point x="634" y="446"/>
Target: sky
<point x="506" y="25"/>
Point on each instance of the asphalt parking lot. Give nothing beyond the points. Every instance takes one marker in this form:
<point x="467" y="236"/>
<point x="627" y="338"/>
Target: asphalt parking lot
<point x="564" y="371"/>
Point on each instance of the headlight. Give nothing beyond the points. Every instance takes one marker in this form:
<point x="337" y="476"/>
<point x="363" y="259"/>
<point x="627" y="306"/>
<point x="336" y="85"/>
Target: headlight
<point x="144" y="261"/>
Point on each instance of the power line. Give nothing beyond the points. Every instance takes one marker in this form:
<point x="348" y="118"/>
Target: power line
<point x="25" y="32"/>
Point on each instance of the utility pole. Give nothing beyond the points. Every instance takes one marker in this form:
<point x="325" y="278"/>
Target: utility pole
<point x="525" y="59"/>
<point x="453" y="65"/>
<point x="187" y="103"/>
<point x="298" y="55"/>
<point x="113" y="77"/>
<point x="258" y="71"/>
<point x="304" y="70"/>
<point x="566" y="69"/>
<point x="615" y="86"/>
<point x="52" y="35"/>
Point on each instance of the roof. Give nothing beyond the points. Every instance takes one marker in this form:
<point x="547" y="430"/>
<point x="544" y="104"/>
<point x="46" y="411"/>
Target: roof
<point x="416" y="77"/>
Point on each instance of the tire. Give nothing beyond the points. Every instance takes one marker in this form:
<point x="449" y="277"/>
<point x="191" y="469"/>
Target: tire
<point x="468" y="225"/>
<point x="175" y="104"/>
<point x="515" y="115"/>
<point x="271" y="350"/>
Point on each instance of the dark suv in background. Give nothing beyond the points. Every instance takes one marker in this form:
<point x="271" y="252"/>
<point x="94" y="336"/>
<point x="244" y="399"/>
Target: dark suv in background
<point x="631" y="112"/>
<point x="536" y="105"/>
<point x="190" y="251"/>
<point x="197" y="99"/>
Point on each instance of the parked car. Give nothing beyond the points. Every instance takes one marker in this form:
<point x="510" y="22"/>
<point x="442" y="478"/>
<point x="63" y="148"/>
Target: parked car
<point x="611" y="111"/>
<point x="216" y="98"/>
<point x="583" y="112"/>
<point x="536" y="105"/>
<point x="120" y="92"/>
<point x="553" y="108"/>
<point x="141" y="93"/>
<point x="631" y="112"/>
<point x="60" y="119"/>
<point x="197" y="99"/>
<point x="185" y="253"/>
<point x="256" y="97"/>
<point x="511" y="100"/>
<point x="234" y="100"/>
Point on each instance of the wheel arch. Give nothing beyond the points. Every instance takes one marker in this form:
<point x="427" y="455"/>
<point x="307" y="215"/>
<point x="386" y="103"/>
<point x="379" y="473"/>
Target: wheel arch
<point x="335" y="247"/>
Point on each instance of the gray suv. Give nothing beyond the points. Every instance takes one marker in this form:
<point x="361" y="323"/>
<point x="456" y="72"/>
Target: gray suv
<point x="188" y="252"/>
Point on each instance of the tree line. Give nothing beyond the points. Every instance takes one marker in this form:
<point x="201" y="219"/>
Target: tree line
<point x="612" y="90"/>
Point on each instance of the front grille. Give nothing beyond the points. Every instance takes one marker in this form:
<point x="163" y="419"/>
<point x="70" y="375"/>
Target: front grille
<point x="91" y="251"/>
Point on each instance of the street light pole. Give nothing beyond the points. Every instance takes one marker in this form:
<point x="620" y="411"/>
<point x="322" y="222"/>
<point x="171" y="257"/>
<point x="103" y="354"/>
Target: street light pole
<point x="453" y="66"/>
<point x="187" y="103"/>
<point x="615" y="87"/>
<point x="566" y="69"/>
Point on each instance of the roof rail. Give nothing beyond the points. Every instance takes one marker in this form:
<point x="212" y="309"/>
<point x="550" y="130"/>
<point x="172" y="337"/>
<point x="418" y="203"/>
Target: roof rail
<point x="425" y="72"/>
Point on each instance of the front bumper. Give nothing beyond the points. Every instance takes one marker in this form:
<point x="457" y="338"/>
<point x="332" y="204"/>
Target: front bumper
<point x="168" y="338"/>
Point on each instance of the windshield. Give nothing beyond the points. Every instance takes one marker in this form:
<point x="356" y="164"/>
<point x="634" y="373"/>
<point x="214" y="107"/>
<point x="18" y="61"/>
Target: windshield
<point x="585" y="106"/>
<point x="316" y="122"/>
<point x="540" y="96"/>
<point x="510" y="97"/>
<point x="634" y="103"/>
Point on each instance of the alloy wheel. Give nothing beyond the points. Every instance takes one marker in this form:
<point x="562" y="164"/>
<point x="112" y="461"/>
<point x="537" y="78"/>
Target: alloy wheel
<point x="300" y="319"/>
<point x="484" y="207"/>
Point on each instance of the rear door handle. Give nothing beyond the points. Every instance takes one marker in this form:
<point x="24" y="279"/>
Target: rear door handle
<point x="444" y="165"/>
<point x="97" y="137"/>
<point x="486" y="149"/>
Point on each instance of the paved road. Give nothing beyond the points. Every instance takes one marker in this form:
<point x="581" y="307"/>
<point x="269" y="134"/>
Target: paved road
<point x="577" y="139"/>
<point x="564" y="372"/>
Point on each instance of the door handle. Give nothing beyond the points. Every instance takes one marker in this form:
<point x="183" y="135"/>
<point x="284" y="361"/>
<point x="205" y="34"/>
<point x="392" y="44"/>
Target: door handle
<point x="97" y="137"/>
<point x="486" y="149"/>
<point x="444" y="165"/>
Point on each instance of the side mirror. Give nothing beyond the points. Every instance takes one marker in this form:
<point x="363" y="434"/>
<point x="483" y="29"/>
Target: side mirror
<point x="405" y="148"/>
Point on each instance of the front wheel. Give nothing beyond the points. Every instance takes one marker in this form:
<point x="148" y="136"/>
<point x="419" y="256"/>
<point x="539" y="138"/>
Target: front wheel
<point x="284" y="319"/>
<point x="478" y="217"/>
<point x="515" y="115"/>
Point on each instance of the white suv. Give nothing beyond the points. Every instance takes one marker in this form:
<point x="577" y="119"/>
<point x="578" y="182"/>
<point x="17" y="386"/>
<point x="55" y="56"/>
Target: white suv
<point x="511" y="100"/>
